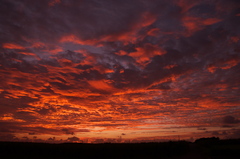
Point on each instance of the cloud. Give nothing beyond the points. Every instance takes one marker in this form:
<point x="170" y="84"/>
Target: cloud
<point x="80" y="67"/>
<point x="201" y="129"/>
<point x="230" y="120"/>
<point x="235" y="134"/>
<point x="32" y="134"/>
<point x="7" y="137"/>
<point x="12" y="46"/>
<point x="66" y="131"/>
<point x="73" y="139"/>
<point x="51" y="139"/>
<point x="54" y="2"/>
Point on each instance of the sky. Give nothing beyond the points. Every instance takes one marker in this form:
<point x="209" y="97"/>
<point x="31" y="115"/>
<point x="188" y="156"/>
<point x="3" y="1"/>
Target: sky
<point x="119" y="70"/>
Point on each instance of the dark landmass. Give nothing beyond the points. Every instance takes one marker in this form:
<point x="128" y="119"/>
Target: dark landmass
<point x="204" y="148"/>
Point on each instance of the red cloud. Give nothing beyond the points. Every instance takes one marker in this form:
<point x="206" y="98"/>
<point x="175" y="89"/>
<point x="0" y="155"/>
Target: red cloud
<point x="74" y="39"/>
<point x="153" y="32"/>
<point x="223" y="64"/>
<point x="143" y="54"/>
<point x="194" y="24"/>
<point x="13" y="46"/>
<point x="131" y="36"/>
<point x="102" y="85"/>
<point x="234" y="39"/>
<point x="186" y="5"/>
<point x="54" y="2"/>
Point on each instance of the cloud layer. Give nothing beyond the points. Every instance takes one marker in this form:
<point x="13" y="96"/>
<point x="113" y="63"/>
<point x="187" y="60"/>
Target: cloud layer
<point x="99" y="69"/>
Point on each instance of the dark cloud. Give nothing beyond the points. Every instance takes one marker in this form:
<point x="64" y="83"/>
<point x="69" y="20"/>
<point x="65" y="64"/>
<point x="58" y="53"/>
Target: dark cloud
<point x="8" y="137"/>
<point x="67" y="131"/>
<point x="234" y="134"/>
<point x="32" y="134"/>
<point x="45" y="111"/>
<point x="110" y="125"/>
<point x="230" y="120"/>
<point x="72" y="56"/>
<point x="10" y="105"/>
<point x="51" y="139"/>
<point x="73" y="139"/>
<point x="162" y="86"/>
<point x="201" y="129"/>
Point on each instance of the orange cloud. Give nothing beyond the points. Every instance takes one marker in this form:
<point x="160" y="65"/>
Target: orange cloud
<point x="121" y="53"/>
<point x="90" y="59"/>
<point x="13" y="46"/>
<point x="153" y="32"/>
<point x="194" y="24"/>
<point x="170" y="66"/>
<point x="143" y="54"/>
<point x="55" y="51"/>
<point x="223" y="64"/>
<point x="30" y="54"/>
<point x="37" y="44"/>
<point x="231" y="63"/>
<point x="101" y="85"/>
<point x="76" y="40"/>
<point x="147" y="19"/>
<point x="9" y="117"/>
<point x="211" y="68"/>
<point x="210" y="21"/>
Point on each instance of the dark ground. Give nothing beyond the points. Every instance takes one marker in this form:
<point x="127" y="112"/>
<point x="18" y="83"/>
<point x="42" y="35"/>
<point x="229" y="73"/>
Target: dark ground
<point x="208" y="148"/>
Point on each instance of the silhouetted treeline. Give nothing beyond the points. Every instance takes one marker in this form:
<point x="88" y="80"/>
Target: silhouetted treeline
<point x="202" y="148"/>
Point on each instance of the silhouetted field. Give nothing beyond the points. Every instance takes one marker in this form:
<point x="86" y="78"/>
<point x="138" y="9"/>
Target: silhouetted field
<point x="201" y="149"/>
